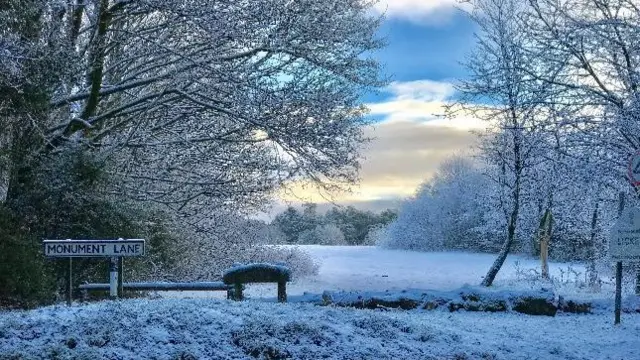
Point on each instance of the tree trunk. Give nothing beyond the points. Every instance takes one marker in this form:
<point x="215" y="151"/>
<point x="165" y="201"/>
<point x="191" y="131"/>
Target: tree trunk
<point x="502" y="256"/>
<point x="97" y="55"/>
<point x="535" y="240"/>
<point x="511" y="234"/>
<point x="544" y="236"/>
<point x="513" y="219"/>
<point x="593" y="253"/>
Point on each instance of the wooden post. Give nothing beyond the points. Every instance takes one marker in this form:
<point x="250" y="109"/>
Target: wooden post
<point x="544" y="257"/>
<point x="544" y="237"/>
<point x="70" y="283"/>
<point x="282" y="291"/>
<point x="120" y="277"/>
<point x="237" y="292"/>
<point x="618" y="291"/>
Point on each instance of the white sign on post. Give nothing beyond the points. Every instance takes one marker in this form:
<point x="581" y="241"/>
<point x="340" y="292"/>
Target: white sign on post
<point x="93" y="248"/>
<point x="624" y="244"/>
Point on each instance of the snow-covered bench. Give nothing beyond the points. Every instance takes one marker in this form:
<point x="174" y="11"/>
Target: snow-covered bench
<point x="257" y="273"/>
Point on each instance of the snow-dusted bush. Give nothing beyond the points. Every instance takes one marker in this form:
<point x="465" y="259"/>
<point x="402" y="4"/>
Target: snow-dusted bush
<point x="451" y="211"/>
<point x="297" y="260"/>
<point x="378" y="236"/>
<point x="64" y="199"/>
<point x="231" y="239"/>
<point x="462" y="208"/>
<point x="328" y="234"/>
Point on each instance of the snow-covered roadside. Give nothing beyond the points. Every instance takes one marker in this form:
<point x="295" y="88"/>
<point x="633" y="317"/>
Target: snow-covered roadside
<point x="212" y="329"/>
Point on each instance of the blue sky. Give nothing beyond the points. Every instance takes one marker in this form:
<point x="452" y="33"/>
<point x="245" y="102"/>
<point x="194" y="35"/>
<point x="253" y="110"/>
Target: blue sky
<point x="426" y="42"/>
<point x="426" y="50"/>
<point x="430" y="48"/>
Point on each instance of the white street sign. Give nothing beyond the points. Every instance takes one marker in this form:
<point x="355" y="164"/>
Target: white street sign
<point x="93" y="248"/>
<point x="624" y="244"/>
<point x="634" y="169"/>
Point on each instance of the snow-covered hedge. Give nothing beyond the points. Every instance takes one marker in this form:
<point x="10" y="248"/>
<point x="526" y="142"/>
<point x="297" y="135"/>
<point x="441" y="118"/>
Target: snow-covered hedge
<point x="530" y="302"/>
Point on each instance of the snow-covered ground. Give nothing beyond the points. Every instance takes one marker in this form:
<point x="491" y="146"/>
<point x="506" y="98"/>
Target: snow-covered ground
<point x="182" y="328"/>
<point x="220" y="329"/>
<point x="377" y="269"/>
<point x="367" y="268"/>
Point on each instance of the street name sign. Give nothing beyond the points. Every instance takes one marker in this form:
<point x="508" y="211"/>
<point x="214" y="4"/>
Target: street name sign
<point x="624" y="244"/>
<point x="93" y="248"/>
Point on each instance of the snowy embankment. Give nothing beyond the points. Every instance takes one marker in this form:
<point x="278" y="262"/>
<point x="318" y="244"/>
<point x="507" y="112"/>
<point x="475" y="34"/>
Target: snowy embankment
<point x="219" y="329"/>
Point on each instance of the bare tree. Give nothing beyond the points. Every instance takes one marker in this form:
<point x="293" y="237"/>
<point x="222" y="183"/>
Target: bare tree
<point x="513" y="105"/>
<point x="592" y="48"/>
<point x="589" y="49"/>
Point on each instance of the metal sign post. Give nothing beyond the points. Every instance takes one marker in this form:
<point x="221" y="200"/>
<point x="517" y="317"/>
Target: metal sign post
<point x="618" y="301"/>
<point x="113" y="278"/>
<point x="70" y="283"/>
<point x="618" y="305"/>
<point x="120" y="276"/>
<point x="624" y="241"/>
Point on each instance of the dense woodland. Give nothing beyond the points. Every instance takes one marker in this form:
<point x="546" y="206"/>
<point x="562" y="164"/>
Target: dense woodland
<point x="170" y="120"/>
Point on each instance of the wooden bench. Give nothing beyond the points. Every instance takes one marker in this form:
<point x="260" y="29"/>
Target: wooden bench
<point x="257" y="273"/>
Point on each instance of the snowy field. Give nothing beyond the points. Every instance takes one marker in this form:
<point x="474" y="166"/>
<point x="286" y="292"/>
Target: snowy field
<point x="182" y="328"/>
<point x="365" y="268"/>
<point x="376" y="269"/>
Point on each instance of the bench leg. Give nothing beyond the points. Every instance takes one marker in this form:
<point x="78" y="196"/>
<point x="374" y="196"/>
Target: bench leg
<point x="282" y="292"/>
<point x="237" y="292"/>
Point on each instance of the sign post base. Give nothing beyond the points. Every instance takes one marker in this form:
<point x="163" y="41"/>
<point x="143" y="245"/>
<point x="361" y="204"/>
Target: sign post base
<point x="70" y="283"/>
<point x="618" y="305"/>
<point x="113" y="278"/>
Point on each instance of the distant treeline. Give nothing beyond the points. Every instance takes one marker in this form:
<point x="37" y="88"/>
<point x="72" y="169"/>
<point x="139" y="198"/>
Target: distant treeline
<point x="338" y="226"/>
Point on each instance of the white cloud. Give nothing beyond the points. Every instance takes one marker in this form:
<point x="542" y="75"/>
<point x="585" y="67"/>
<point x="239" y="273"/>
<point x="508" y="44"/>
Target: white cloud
<point x="459" y="122"/>
<point x="426" y="90"/>
<point x="401" y="156"/>
<point x="422" y="101"/>
<point x="410" y="109"/>
<point x="408" y="144"/>
<point x="417" y="9"/>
